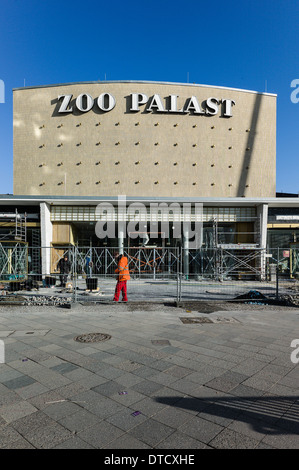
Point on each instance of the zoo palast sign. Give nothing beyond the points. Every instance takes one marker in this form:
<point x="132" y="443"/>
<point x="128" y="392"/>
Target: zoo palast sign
<point x="155" y="104"/>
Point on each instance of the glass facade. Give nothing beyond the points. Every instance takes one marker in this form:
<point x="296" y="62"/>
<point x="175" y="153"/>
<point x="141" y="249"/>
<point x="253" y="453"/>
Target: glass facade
<point x="282" y="238"/>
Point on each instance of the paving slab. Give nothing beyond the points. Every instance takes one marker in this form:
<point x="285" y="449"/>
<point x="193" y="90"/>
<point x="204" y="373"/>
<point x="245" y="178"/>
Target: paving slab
<point x="62" y="408"/>
<point x="151" y="432"/>
<point x="79" y="420"/>
<point x="100" y="435"/>
<point x="73" y="443"/>
<point x="8" y="437"/>
<point x="48" y="437"/>
<point x="19" y="382"/>
<point x="16" y="411"/>
<point x="179" y="440"/>
<point x="127" y="419"/>
<point x="201" y="429"/>
<point x="229" y="439"/>
<point x="127" y="442"/>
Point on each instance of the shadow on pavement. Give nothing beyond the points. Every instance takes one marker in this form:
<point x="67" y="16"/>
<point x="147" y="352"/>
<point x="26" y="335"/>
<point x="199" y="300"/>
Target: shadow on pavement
<point x="268" y="415"/>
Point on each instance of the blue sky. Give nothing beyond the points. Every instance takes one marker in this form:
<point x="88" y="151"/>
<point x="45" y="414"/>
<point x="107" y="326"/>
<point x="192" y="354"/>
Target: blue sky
<point x="250" y="44"/>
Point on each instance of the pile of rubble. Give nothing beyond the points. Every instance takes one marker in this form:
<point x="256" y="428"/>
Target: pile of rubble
<point x="256" y="297"/>
<point x="291" y="300"/>
<point x="46" y="300"/>
<point x="15" y="299"/>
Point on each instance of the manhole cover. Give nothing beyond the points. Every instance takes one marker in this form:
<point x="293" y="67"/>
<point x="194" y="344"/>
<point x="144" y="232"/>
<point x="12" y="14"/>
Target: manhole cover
<point x="92" y="337"/>
<point x="195" y="320"/>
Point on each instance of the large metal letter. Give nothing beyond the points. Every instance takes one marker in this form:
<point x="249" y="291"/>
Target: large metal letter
<point x="106" y="102"/>
<point x="89" y="102"/>
<point x="193" y="105"/>
<point x="212" y="106"/>
<point x="156" y="104"/>
<point x="174" y="105"/>
<point x="228" y="107"/>
<point x="137" y="100"/>
<point x="65" y="103"/>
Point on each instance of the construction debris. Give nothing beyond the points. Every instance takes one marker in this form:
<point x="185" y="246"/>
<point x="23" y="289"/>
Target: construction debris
<point x="14" y="299"/>
<point x="252" y="295"/>
<point x="290" y="300"/>
<point x="46" y="300"/>
<point x="256" y="297"/>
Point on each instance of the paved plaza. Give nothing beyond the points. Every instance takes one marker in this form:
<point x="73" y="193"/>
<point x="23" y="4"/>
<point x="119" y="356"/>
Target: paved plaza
<point x="149" y="376"/>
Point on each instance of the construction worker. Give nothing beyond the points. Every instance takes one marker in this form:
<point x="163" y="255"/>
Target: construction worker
<point x="123" y="275"/>
<point x="64" y="266"/>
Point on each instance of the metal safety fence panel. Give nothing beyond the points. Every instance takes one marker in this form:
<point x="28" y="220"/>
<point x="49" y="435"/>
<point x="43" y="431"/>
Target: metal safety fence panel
<point x="156" y="273"/>
<point x="90" y="274"/>
<point x="236" y="274"/>
<point x="153" y="274"/>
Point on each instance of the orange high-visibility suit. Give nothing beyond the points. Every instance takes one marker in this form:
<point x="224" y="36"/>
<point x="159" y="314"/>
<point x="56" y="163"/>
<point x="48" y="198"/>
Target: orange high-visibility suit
<point x="123" y="276"/>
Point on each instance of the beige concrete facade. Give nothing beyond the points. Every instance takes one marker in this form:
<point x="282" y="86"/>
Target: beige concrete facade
<point x="144" y="153"/>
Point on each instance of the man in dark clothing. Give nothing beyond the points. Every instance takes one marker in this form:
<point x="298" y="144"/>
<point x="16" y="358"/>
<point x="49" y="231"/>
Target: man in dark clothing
<point x="64" y="266"/>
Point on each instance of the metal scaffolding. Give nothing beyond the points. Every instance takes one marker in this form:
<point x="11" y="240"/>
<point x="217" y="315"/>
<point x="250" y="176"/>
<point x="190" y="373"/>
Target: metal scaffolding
<point x="239" y="260"/>
<point x="13" y="261"/>
<point x="13" y="247"/>
<point x="13" y="226"/>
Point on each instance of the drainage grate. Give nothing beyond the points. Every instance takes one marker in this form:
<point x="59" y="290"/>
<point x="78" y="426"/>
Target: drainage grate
<point x="195" y="320"/>
<point x="29" y="332"/>
<point x="92" y="337"/>
<point x="161" y="342"/>
<point x="225" y="320"/>
<point x="208" y="320"/>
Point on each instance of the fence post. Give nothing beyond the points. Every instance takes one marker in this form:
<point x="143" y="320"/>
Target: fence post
<point x="181" y="251"/>
<point x="179" y="287"/>
<point x="177" y="272"/>
<point x="74" y="274"/>
<point x="277" y="285"/>
<point x="139" y="253"/>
